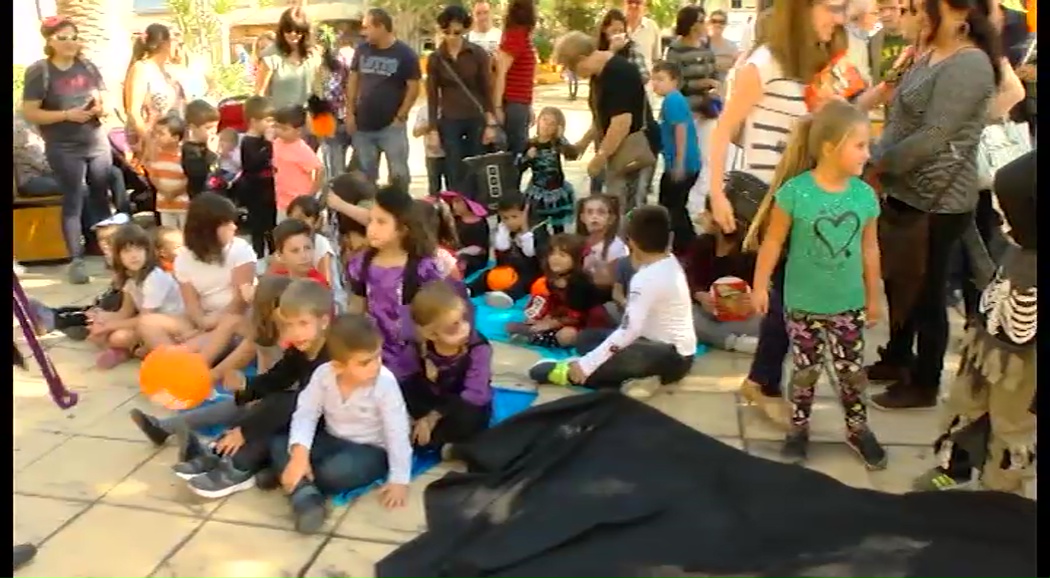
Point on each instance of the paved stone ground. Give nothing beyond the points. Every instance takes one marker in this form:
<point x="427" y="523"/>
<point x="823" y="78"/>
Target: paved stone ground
<point x="101" y="501"/>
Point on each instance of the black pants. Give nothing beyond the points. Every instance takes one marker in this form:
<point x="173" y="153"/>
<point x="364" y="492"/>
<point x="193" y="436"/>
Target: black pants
<point x="263" y="421"/>
<point x="927" y="322"/>
<point x="673" y="196"/>
<point x="459" y="421"/>
<point x="262" y="218"/>
<point x="643" y="358"/>
<point x="989" y="227"/>
<point x="437" y="177"/>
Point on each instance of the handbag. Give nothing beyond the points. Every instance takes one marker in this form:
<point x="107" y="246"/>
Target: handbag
<point x="500" y="142"/>
<point x="635" y="152"/>
<point x="1001" y="142"/>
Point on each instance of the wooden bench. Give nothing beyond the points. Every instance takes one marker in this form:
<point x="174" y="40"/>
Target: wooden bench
<point x="38" y="237"/>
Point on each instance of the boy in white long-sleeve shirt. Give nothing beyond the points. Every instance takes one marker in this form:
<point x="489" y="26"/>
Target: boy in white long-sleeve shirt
<point x="655" y="341"/>
<point x="366" y="427"/>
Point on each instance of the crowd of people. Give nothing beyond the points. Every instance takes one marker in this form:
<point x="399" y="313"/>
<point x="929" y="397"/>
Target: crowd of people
<point x="781" y="221"/>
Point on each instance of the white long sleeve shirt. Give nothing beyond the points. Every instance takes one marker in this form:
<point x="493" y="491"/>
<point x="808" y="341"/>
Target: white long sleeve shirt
<point x="374" y="415"/>
<point x="659" y="308"/>
<point x="501" y="241"/>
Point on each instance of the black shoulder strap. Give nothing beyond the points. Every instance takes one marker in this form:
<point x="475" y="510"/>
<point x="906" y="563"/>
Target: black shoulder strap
<point x="366" y="265"/>
<point x="410" y="280"/>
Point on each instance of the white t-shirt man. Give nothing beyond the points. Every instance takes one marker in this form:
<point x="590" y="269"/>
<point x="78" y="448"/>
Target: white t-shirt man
<point x="646" y="37"/>
<point x="214" y="281"/>
<point x="489" y="39"/>
<point x="659" y="308"/>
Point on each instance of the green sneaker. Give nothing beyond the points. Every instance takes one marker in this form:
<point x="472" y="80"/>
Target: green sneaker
<point x="548" y="371"/>
<point x="936" y="480"/>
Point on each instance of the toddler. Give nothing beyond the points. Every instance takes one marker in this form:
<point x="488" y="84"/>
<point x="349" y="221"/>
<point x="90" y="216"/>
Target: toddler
<point x="199" y="160"/>
<point x="549" y="196"/>
<point x="297" y="170"/>
<point x="832" y="278"/>
<point x="308" y="209"/>
<point x="164" y="167"/>
<point x="229" y="155"/>
<point x="166" y="242"/>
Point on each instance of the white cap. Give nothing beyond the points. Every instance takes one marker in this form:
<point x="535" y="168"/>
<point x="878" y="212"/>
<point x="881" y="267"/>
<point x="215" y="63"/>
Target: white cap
<point x="115" y="220"/>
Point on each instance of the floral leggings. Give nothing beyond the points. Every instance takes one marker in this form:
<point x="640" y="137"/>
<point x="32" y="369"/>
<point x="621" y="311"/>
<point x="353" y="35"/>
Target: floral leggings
<point x="811" y="336"/>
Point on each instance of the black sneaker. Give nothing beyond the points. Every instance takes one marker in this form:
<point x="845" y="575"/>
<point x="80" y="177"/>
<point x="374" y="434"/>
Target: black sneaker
<point x="310" y="515"/>
<point x="869" y="449"/>
<point x="23" y="554"/>
<point x="268" y="479"/>
<point x="197" y="466"/>
<point x="76" y="332"/>
<point x="150" y="426"/>
<point x="796" y="446"/>
<point x="221" y="481"/>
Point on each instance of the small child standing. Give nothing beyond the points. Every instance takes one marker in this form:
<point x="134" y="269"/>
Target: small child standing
<point x="365" y="424"/>
<point x="229" y="155"/>
<point x="450" y="400"/>
<point x="256" y="189"/>
<point x="437" y="177"/>
<point x="550" y="197"/>
<point x="832" y="279"/>
<point x="681" y="152"/>
<point x="199" y="160"/>
<point x="654" y="344"/>
<point x="164" y="167"/>
<point x="297" y="170"/>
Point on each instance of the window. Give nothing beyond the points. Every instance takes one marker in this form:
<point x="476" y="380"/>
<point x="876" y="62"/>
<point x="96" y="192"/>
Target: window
<point x="736" y="4"/>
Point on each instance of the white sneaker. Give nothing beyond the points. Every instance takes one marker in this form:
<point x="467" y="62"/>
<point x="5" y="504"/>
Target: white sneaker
<point x="641" y="389"/>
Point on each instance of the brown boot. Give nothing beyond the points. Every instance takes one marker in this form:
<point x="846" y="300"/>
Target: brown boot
<point x="776" y="409"/>
<point x="884" y="371"/>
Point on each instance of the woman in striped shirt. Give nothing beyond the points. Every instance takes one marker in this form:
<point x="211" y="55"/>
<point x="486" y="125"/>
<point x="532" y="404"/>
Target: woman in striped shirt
<point x="766" y="103"/>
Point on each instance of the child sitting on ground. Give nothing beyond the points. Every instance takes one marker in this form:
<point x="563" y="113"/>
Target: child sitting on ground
<point x="294" y="243"/>
<point x="472" y="231"/>
<point x="439" y="224"/>
<point x="297" y="170"/>
<point x="598" y="219"/>
<point x="164" y="167"/>
<point x="712" y="256"/>
<point x="386" y="276"/>
<point x="260" y="341"/>
<point x="515" y="246"/>
<point x="307" y="209"/>
<point x="366" y="425"/>
<point x="571" y="294"/>
<point x="147" y="289"/>
<point x="450" y="400"/>
<point x="655" y="342"/>
<point x="244" y="450"/>
<point x="166" y="242"/>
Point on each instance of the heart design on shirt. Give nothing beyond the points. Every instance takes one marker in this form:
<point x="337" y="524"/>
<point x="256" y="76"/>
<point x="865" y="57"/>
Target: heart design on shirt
<point x="837" y="233"/>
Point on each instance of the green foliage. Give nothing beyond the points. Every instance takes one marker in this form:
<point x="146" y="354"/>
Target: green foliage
<point x="576" y="14"/>
<point x="19" y="84"/>
<point x="663" y="12"/>
<point x="543" y="40"/>
<point x="232" y="80"/>
<point x="199" y="21"/>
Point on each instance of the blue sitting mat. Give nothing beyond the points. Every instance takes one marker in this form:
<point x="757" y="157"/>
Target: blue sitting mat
<point x="505" y="403"/>
<point x="219" y="394"/>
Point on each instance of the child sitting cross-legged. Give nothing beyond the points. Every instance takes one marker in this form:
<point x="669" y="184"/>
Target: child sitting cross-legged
<point x="244" y="450"/>
<point x="294" y="242"/>
<point x="517" y="246"/>
<point x="167" y="241"/>
<point x="450" y="400"/>
<point x="366" y="427"/>
<point x="655" y="339"/>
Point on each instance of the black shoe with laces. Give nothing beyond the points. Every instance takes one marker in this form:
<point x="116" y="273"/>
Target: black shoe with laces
<point x="796" y="446"/>
<point x="868" y="448"/>
<point x="150" y="427"/>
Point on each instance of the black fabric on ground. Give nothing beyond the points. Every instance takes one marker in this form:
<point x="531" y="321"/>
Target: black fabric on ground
<point x="602" y="485"/>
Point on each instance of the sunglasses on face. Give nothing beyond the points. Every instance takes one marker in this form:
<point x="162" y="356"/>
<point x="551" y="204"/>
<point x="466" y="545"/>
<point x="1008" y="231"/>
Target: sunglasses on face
<point x="66" y="37"/>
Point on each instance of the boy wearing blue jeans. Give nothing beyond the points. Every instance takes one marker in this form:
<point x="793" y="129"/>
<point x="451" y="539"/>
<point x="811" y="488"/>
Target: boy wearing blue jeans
<point x="366" y="432"/>
<point x="681" y="152"/>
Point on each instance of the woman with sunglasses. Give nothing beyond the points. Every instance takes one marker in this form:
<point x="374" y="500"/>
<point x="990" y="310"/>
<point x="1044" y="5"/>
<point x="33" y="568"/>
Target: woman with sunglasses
<point x="726" y="51"/>
<point x="286" y="75"/>
<point x="65" y="96"/>
<point x="798" y="40"/>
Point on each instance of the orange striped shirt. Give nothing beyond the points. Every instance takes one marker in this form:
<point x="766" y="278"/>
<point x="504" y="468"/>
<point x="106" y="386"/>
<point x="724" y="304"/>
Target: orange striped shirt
<point x="166" y="174"/>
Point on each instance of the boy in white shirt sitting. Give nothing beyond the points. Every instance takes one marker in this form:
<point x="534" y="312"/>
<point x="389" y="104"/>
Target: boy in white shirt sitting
<point x="366" y="432"/>
<point x="655" y="341"/>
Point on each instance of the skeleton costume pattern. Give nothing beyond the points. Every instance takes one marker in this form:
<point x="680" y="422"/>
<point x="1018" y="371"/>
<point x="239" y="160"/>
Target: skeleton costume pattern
<point x="989" y="423"/>
<point x="550" y="197"/>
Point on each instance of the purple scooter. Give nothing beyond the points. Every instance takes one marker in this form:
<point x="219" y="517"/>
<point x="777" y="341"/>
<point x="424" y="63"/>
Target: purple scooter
<point x="62" y="396"/>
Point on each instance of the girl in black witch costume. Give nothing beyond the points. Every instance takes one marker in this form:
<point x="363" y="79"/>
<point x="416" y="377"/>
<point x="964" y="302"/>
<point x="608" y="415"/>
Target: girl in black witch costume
<point x="550" y="197"/>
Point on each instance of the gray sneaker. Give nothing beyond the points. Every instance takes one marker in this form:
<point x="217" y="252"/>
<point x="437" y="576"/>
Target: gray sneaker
<point x="196" y="466"/>
<point x="76" y="274"/>
<point x="223" y="480"/>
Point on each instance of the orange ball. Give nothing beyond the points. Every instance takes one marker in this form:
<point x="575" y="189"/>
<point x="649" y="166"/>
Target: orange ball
<point x="539" y="287"/>
<point x="175" y="378"/>
<point x="501" y="278"/>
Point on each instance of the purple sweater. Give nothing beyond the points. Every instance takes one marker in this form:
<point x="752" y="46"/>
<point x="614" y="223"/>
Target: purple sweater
<point x="467" y="376"/>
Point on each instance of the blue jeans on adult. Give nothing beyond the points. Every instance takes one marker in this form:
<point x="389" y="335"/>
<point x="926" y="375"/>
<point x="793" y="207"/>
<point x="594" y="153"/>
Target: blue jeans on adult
<point x="392" y="141"/>
<point x="333" y="152"/>
<point x="461" y="138"/>
<point x="84" y="180"/>
<point x="338" y="465"/>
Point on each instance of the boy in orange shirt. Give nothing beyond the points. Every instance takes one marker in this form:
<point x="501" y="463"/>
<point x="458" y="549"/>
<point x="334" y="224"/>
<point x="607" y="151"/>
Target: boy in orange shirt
<point x="164" y="168"/>
<point x="297" y="170"/>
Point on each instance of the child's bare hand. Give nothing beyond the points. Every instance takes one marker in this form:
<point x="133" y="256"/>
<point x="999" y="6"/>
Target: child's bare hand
<point x="296" y="471"/>
<point x="230" y="443"/>
<point x="872" y="313"/>
<point x="233" y="381"/>
<point x="760" y="301"/>
<point x="393" y="495"/>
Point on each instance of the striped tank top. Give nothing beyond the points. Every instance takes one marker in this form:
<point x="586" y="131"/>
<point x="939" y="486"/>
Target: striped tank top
<point x="768" y="127"/>
<point x="165" y="172"/>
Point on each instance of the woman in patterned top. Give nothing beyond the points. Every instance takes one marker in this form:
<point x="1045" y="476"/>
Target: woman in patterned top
<point x="151" y="91"/>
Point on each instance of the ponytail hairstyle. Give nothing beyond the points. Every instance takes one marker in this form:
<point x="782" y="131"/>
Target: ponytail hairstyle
<point x="145" y="44"/>
<point x="440" y="225"/>
<point x="978" y="27"/>
<point x="829" y="125"/>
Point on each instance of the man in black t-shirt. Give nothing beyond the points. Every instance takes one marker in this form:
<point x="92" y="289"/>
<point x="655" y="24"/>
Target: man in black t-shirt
<point x="620" y="108"/>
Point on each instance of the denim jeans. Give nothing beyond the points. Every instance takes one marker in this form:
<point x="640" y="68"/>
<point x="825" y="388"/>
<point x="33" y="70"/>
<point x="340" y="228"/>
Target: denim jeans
<point x="333" y="152"/>
<point x="392" y="141"/>
<point x="219" y="413"/>
<point x="631" y="189"/>
<point x="84" y="179"/>
<point x="338" y="465"/>
<point x="460" y="138"/>
<point x="41" y="186"/>
<point x="711" y="331"/>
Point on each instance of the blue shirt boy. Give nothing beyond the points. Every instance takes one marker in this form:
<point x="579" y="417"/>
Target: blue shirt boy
<point x="675" y="111"/>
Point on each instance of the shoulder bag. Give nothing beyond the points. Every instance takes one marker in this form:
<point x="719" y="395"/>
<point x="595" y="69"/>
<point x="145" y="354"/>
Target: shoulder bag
<point x="500" y="141"/>
<point x="635" y="152"/>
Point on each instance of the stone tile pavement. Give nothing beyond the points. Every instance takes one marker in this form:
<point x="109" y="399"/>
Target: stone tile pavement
<point x="100" y="501"/>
